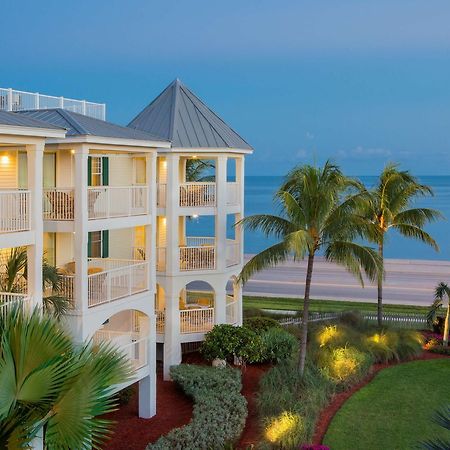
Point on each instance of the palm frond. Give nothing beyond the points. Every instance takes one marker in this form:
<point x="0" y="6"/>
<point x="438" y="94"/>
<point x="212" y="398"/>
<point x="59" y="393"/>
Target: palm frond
<point x="442" y="290"/>
<point x="269" y="225"/>
<point x="418" y="216"/>
<point x="416" y="232"/>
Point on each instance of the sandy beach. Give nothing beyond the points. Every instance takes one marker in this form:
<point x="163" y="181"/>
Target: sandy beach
<point x="408" y="282"/>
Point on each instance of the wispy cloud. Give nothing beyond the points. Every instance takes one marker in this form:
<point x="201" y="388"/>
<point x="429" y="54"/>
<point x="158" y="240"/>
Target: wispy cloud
<point x="361" y="152"/>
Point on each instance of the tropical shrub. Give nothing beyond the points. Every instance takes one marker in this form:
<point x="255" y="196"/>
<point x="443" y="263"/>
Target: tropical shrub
<point x="278" y="345"/>
<point x="259" y="324"/>
<point x="382" y="346"/>
<point x="219" y="413"/>
<point x="410" y="344"/>
<point x="227" y="341"/>
<point x="286" y="430"/>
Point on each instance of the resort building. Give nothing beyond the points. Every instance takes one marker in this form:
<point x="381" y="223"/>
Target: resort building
<point x="121" y="211"/>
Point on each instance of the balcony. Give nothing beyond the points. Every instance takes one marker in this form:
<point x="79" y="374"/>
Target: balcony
<point x="109" y="279"/>
<point x="9" y="300"/>
<point x="199" y="253"/>
<point x="232" y="193"/>
<point x="232" y="310"/>
<point x="131" y="344"/>
<point x="14" y="210"/>
<point x="104" y="202"/>
<point x="233" y="253"/>
<point x="197" y="194"/>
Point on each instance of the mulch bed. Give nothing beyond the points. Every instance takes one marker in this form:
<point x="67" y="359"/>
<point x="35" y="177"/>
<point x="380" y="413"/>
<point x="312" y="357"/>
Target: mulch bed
<point x="338" y="400"/>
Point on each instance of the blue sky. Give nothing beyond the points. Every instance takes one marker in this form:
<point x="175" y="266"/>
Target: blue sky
<point x="356" y="81"/>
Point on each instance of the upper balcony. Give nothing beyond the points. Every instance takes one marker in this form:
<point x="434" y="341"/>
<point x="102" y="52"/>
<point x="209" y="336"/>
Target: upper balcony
<point x="14" y="210"/>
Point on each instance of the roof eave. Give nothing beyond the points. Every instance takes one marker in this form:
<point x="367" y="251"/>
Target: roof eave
<point x="236" y="150"/>
<point x="20" y="130"/>
<point x="90" y="139"/>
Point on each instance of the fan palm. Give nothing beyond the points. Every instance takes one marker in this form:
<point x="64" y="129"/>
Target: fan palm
<point x="317" y="213"/>
<point x="13" y="278"/>
<point x="441" y="418"/>
<point x="48" y="383"/>
<point x="442" y="292"/>
<point x="388" y="207"/>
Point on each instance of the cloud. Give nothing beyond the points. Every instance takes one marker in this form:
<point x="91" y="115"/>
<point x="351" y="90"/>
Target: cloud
<point x="361" y="152"/>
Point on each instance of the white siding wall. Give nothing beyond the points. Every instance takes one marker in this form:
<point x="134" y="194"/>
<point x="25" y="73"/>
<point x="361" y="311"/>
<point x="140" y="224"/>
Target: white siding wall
<point x="64" y="169"/>
<point x="8" y="169"/>
<point x="64" y="248"/>
<point x="120" y="171"/>
<point x="120" y="243"/>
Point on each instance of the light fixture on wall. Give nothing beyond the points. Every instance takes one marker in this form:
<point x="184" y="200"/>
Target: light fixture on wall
<point x="72" y="151"/>
<point x="194" y="216"/>
<point x="4" y="160"/>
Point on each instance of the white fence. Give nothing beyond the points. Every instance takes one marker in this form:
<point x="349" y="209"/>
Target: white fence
<point x="197" y="194"/>
<point x="14" y="210"/>
<point x="117" y="201"/>
<point x="9" y="300"/>
<point x="131" y="344"/>
<point x="233" y="252"/>
<point x="196" y="320"/>
<point x="58" y="204"/>
<point x="160" y="320"/>
<point x="161" y="195"/>
<point x="13" y="100"/>
<point x="232" y="193"/>
<point x="232" y="311"/>
<point x="198" y="258"/>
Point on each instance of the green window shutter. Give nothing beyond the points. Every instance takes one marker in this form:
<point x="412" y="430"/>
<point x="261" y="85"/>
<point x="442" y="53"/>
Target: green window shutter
<point x="89" y="170"/>
<point x="105" y="243"/>
<point x="89" y="245"/>
<point x="105" y="171"/>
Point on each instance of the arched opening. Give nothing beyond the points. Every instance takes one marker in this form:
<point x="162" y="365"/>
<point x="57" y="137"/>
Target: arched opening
<point x="232" y="301"/>
<point x="129" y="331"/>
<point x="196" y="304"/>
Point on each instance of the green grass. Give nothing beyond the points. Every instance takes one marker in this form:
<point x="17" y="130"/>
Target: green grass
<point x="295" y="304"/>
<point x="394" y="411"/>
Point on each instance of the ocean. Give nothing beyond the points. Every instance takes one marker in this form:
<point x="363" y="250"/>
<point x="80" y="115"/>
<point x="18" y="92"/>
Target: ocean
<point x="259" y="192"/>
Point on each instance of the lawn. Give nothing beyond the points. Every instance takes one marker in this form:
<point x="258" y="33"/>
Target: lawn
<point x="295" y="304"/>
<point x="393" y="411"/>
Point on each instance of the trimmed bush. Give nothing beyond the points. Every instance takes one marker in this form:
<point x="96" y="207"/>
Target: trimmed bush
<point x="278" y="345"/>
<point x="261" y="324"/>
<point x="227" y="341"/>
<point x="219" y="414"/>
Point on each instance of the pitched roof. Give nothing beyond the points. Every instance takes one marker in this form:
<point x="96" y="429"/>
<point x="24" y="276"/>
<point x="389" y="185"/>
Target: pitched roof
<point x="17" y="120"/>
<point x="181" y="117"/>
<point x="80" y="125"/>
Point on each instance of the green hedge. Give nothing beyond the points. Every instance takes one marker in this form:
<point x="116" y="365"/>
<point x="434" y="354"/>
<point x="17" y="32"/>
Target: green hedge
<point x="220" y="410"/>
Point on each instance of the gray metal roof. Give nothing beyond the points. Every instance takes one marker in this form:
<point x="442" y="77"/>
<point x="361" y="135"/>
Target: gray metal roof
<point x="80" y="125"/>
<point x="181" y="117"/>
<point x="17" y="120"/>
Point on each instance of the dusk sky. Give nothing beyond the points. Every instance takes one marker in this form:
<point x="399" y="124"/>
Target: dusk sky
<point x="361" y="82"/>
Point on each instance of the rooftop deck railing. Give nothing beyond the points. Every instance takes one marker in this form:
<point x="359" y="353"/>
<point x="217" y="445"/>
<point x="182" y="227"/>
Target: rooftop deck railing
<point x="14" y="100"/>
<point x="14" y="210"/>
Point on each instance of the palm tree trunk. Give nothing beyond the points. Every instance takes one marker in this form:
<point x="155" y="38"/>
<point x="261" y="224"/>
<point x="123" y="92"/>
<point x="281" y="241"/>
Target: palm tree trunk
<point x="446" y="325"/>
<point x="304" y="335"/>
<point x="380" y="287"/>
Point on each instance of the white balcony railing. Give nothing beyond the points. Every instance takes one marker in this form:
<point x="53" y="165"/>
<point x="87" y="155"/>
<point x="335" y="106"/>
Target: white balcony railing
<point x="14" y="210"/>
<point x="200" y="257"/>
<point x="231" y="310"/>
<point x="233" y="252"/>
<point x="196" y="320"/>
<point x="160" y="319"/>
<point x="116" y="201"/>
<point x="13" y="100"/>
<point x="197" y="194"/>
<point x="9" y="300"/>
<point x="110" y="280"/>
<point x="58" y="204"/>
<point x="131" y="344"/>
<point x="232" y="193"/>
<point x="161" y="195"/>
<point x="160" y="259"/>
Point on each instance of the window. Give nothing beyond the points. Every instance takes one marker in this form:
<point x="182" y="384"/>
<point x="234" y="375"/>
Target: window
<point x="96" y="171"/>
<point x="98" y="244"/>
<point x="50" y="248"/>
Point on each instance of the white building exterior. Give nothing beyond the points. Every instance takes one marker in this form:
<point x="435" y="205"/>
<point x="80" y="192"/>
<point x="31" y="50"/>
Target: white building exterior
<point x="111" y="206"/>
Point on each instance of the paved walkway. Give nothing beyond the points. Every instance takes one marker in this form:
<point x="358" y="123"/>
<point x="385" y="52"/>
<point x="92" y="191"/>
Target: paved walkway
<point x="408" y="282"/>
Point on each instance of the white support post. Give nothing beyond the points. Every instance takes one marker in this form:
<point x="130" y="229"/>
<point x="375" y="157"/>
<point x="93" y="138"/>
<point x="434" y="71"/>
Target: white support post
<point x="172" y="344"/>
<point x="10" y="99"/>
<point x="81" y="239"/>
<point x="35" y="252"/>
<point x="220" y="306"/>
<point x="172" y="214"/>
<point x="147" y="385"/>
<point x="240" y="180"/>
<point x="237" y="296"/>
<point x="221" y="215"/>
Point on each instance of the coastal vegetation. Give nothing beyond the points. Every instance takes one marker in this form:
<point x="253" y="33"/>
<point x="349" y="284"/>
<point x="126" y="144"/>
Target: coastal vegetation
<point x="52" y="387"/>
<point x="318" y="212"/>
<point x="390" y="206"/>
<point x="441" y="296"/>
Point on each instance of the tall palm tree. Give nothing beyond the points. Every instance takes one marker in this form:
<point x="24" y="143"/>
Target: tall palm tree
<point x="13" y="278"/>
<point x="317" y="213"/>
<point x="389" y="207"/>
<point x="49" y="384"/>
<point x="442" y="291"/>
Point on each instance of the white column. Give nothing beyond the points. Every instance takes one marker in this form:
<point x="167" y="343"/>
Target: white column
<point x="172" y="344"/>
<point x="220" y="305"/>
<point x="172" y="214"/>
<point x="240" y="180"/>
<point x="221" y="215"/>
<point x="81" y="239"/>
<point x="35" y="252"/>
<point x="237" y="294"/>
<point x="147" y="386"/>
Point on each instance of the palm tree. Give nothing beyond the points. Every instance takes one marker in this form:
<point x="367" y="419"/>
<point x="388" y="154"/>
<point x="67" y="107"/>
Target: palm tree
<point x="442" y="290"/>
<point x="13" y="278"/>
<point x="441" y="418"/>
<point x="196" y="168"/>
<point x="317" y="213"/>
<point x="388" y="207"/>
<point x="50" y="384"/>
